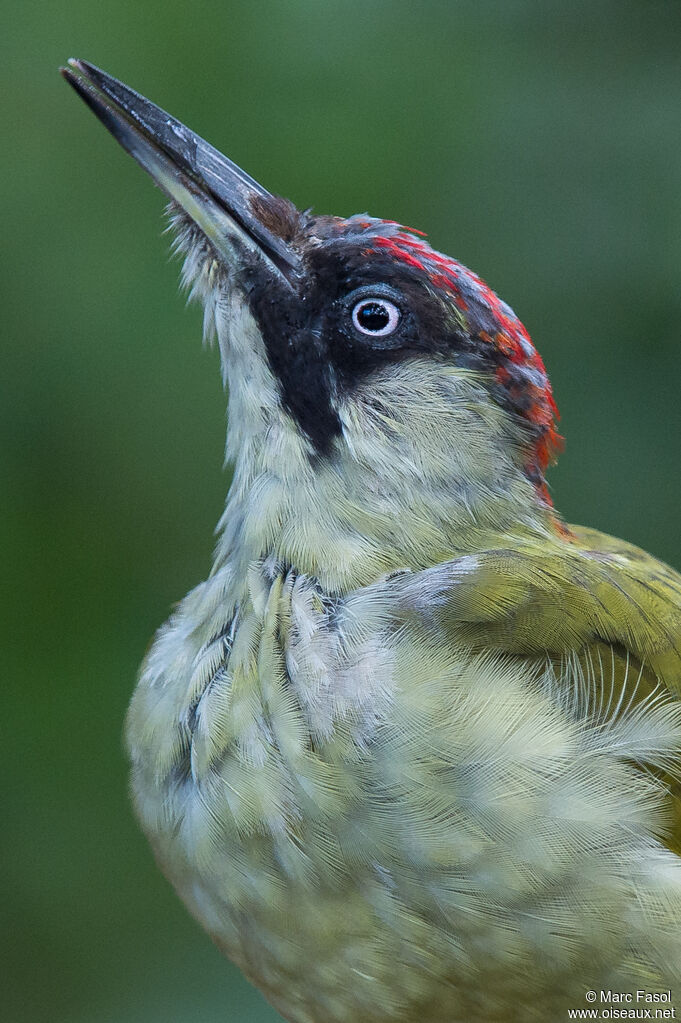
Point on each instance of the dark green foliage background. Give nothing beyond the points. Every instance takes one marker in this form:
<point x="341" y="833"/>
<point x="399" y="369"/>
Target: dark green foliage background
<point x="539" y="142"/>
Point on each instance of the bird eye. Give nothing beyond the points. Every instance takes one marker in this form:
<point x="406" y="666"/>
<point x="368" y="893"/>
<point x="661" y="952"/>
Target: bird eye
<point x="375" y="316"/>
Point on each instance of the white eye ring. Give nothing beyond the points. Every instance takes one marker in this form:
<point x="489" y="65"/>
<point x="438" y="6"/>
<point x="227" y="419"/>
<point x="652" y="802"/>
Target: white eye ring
<point x="372" y="309"/>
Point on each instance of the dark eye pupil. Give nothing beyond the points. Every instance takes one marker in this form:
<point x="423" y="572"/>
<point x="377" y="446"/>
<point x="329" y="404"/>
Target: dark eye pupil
<point x="373" y="316"/>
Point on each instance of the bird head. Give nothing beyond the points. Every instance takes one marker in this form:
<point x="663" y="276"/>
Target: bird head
<point x="383" y="399"/>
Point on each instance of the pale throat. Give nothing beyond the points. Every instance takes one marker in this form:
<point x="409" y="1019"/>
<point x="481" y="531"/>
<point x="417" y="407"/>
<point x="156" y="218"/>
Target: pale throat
<point x="422" y="471"/>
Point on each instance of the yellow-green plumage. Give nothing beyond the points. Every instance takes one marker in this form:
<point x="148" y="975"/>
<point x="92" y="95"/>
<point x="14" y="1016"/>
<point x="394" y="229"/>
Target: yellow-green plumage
<point x="491" y="812"/>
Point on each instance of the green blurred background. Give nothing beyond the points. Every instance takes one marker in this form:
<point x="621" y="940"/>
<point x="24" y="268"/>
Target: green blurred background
<point x="539" y="142"/>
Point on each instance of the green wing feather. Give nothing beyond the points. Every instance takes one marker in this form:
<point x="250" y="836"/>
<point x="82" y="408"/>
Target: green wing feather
<point x="564" y="596"/>
<point x="587" y="596"/>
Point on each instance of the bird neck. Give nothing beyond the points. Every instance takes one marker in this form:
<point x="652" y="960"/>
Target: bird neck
<point x="426" y="468"/>
<point x="340" y="522"/>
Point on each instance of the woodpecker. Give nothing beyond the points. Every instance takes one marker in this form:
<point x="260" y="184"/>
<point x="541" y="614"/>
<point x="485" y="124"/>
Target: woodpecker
<point x="412" y="752"/>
